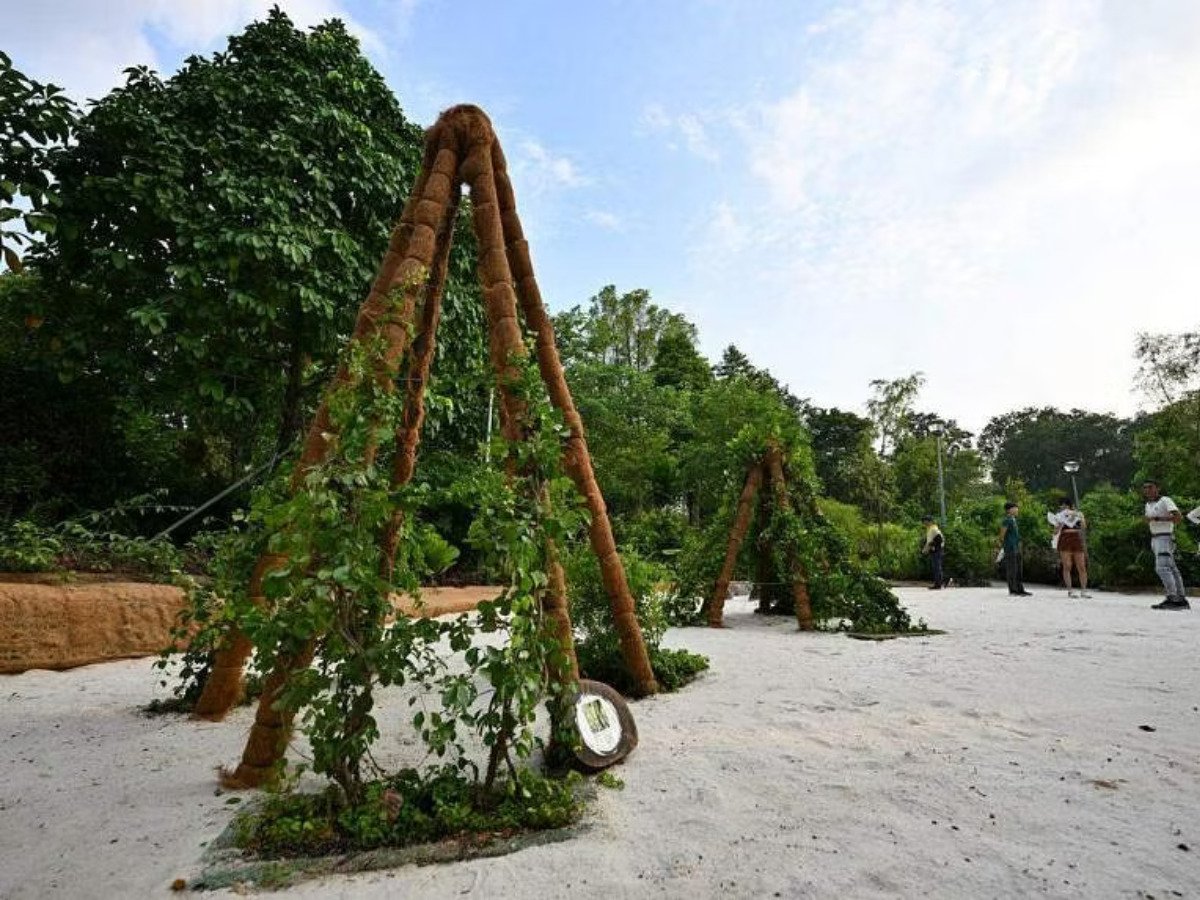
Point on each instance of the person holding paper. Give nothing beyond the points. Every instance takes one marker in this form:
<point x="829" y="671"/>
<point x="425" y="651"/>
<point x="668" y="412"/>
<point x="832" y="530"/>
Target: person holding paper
<point x="1069" y="524"/>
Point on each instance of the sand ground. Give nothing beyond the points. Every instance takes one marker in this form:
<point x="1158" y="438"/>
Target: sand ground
<point x="1010" y="757"/>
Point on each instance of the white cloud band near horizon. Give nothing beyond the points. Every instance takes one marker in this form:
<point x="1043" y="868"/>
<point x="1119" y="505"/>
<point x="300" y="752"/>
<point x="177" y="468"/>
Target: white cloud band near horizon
<point x="999" y="194"/>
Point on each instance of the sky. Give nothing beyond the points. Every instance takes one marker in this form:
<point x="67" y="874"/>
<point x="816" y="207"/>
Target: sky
<point x="998" y="193"/>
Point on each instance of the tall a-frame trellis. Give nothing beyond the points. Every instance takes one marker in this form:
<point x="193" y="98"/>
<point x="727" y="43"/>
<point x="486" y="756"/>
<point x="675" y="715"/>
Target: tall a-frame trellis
<point x="766" y="479"/>
<point x="460" y="149"/>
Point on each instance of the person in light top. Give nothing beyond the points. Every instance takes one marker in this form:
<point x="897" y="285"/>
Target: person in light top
<point x="1162" y="515"/>
<point x="934" y="546"/>
<point x="1069" y="524"/>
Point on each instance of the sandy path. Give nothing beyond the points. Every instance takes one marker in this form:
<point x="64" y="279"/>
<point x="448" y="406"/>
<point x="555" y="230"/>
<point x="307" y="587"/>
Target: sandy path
<point x="1003" y="759"/>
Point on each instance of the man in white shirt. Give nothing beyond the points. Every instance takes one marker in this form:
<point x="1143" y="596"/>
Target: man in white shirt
<point x="1162" y="515"/>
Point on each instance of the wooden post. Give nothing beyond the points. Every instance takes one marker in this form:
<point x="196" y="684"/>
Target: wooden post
<point x="741" y="523"/>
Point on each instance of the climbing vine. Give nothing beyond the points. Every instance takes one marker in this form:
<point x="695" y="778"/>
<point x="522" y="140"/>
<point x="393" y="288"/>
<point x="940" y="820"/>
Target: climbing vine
<point x="329" y="598"/>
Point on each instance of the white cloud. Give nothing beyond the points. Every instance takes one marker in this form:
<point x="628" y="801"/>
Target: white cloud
<point x="544" y="170"/>
<point x="692" y="127"/>
<point x="84" y="45"/>
<point x="606" y="220"/>
<point x="997" y="193"/>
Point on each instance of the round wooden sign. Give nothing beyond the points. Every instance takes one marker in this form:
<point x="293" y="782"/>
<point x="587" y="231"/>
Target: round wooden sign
<point x="607" y="733"/>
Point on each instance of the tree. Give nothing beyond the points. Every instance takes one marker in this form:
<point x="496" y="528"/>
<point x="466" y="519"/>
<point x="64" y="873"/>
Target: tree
<point x="710" y="467"/>
<point x="736" y="364"/>
<point x="914" y="468"/>
<point x="677" y="362"/>
<point x="630" y="425"/>
<point x="1168" y="365"/>
<point x="841" y="446"/>
<point x="619" y="329"/>
<point x="891" y="408"/>
<point x="36" y="121"/>
<point x="1032" y="444"/>
<point x="218" y="229"/>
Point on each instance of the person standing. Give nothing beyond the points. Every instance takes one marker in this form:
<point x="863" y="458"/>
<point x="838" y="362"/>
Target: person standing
<point x="1010" y="540"/>
<point x="934" y="546"/>
<point x="1069" y="525"/>
<point x="1162" y="515"/>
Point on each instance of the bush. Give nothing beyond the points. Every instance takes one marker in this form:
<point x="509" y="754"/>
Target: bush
<point x="656" y="534"/>
<point x="656" y="604"/>
<point x="74" y="547"/>
<point x="969" y="554"/>
<point x="407" y="808"/>
<point x="1119" y="541"/>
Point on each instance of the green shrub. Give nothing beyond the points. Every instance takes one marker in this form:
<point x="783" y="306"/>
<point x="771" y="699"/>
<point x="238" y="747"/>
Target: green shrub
<point x="656" y="604"/>
<point x="410" y="807"/>
<point x="1119" y="542"/>
<point x="970" y="557"/>
<point x="73" y="546"/>
<point x="656" y="534"/>
<point x="27" y="547"/>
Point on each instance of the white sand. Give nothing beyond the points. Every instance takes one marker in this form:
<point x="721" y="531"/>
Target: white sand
<point x="1003" y="759"/>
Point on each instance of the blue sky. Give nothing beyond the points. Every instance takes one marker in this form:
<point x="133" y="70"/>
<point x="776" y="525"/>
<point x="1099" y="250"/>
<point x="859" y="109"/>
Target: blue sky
<point x="999" y="193"/>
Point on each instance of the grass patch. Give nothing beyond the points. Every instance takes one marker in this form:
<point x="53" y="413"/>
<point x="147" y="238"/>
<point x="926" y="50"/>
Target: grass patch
<point x="892" y="635"/>
<point x="410" y="819"/>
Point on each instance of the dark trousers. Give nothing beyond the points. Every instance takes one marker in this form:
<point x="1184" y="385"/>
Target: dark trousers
<point x="935" y="560"/>
<point x="1012" y="569"/>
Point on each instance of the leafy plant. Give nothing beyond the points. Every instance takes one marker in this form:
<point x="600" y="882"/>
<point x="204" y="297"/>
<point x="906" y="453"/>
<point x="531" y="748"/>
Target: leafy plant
<point x="656" y="603"/>
<point x="409" y="807"/>
<point x="36" y="120"/>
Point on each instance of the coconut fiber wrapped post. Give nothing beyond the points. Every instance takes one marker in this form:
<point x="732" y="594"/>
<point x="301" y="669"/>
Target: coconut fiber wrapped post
<point x="737" y="534"/>
<point x="383" y="316"/>
<point x="774" y="464"/>
<point x="410" y="253"/>
<point x="577" y="460"/>
<point x="460" y="148"/>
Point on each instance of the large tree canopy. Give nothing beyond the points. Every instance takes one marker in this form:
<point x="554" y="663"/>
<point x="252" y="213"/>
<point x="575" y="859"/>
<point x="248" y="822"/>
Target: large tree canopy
<point x="1032" y="444"/>
<point x="218" y="229"/>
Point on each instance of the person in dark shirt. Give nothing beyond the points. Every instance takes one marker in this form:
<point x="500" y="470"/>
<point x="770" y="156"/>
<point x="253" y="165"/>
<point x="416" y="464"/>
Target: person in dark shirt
<point x="934" y="546"/>
<point x="1010" y="541"/>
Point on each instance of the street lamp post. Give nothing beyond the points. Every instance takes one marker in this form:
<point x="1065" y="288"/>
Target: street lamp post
<point x="937" y="429"/>
<point x="1071" y="466"/>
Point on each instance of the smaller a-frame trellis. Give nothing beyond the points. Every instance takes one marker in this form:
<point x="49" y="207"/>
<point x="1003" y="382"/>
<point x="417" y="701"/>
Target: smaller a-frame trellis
<point x="460" y="149"/>
<point x="766" y="480"/>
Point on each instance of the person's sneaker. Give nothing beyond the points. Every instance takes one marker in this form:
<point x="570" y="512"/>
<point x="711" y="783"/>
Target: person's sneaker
<point x="1072" y="594"/>
<point x="1173" y="603"/>
<point x="935" y="587"/>
<point x="1085" y="595"/>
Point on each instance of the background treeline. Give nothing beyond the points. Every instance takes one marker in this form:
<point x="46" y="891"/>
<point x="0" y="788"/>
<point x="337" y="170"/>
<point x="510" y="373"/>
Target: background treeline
<point x="182" y="265"/>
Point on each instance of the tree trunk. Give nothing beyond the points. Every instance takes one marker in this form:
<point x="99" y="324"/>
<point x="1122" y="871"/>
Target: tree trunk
<point x="737" y="534"/>
<point x="291" y="420"/>
<point x="577" y="460"/>
<point x="796" y="569"/>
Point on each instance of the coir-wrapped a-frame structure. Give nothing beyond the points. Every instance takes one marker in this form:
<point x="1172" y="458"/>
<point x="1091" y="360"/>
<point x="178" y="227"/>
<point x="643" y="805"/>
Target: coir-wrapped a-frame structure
<point x="461" y="149"/>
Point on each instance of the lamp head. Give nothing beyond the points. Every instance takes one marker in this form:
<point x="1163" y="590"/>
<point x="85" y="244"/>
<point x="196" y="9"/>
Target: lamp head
<point x="1071" y="466"/>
